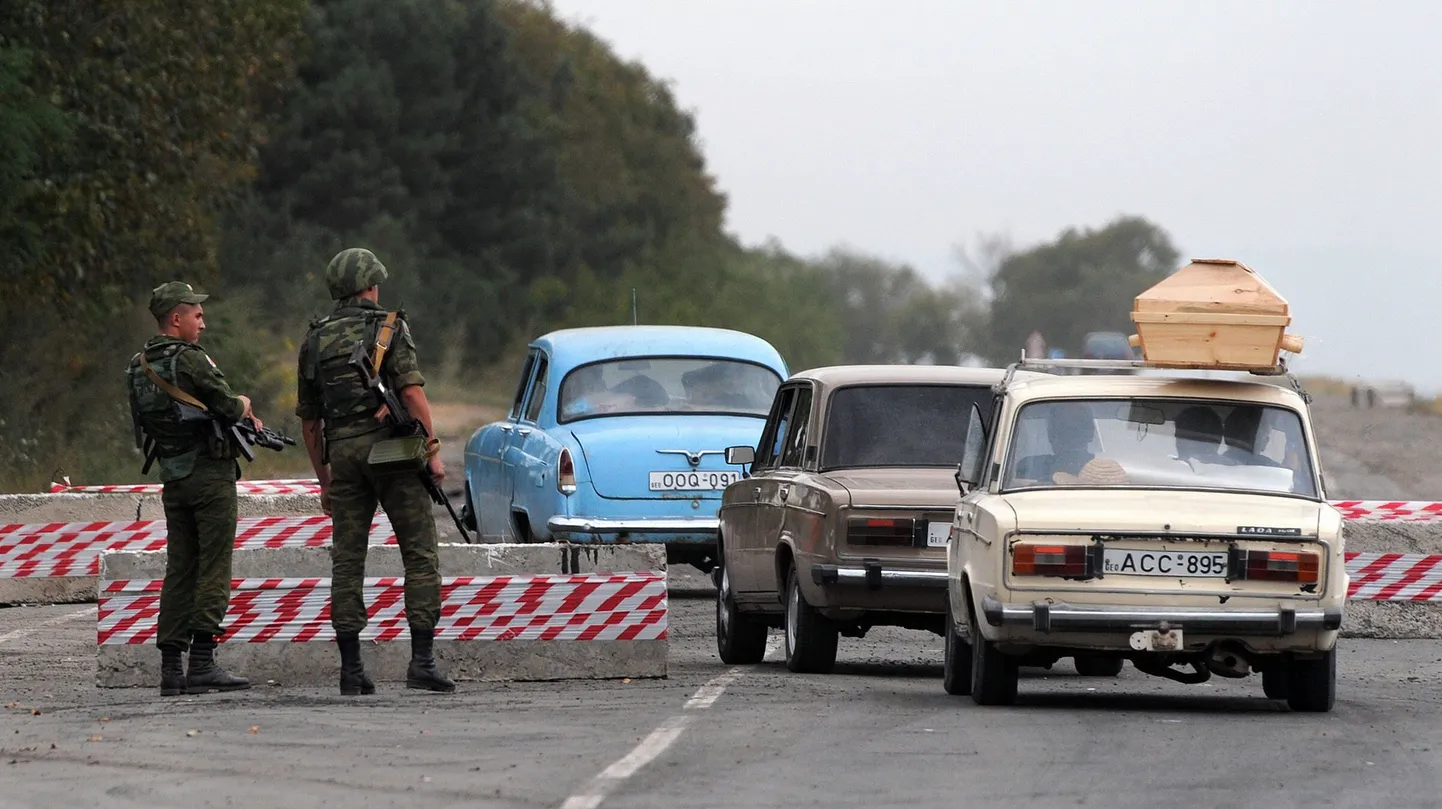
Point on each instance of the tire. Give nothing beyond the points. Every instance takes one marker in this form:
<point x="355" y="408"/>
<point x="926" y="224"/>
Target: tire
<point x="739" y="639"/>
<point x="1097" y="666"/>
<point x="956" y="664"/>
<point x="1312" y="684"/>
<point x="810" y="636"/>
<point x="1274" y="682"/>
<point x="993" y="674"/>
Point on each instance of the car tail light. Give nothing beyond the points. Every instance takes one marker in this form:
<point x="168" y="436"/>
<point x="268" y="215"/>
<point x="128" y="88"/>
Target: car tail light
<point x="897" y="531"/>
<point x="1298" y="566"/>
<point x="1051" y="560"/>
<point x="565" y="472"/>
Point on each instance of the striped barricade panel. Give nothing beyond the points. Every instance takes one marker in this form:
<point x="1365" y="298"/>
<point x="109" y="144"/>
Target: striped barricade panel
<point x="45" y="550"/>
<point x="614" y="606"/>
<point x="283" y="486"/>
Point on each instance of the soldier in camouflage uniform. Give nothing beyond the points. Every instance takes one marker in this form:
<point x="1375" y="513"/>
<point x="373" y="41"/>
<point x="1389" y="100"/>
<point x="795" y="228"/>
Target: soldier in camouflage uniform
<point x="198" y="476"/>
<point x="342" y="420"/>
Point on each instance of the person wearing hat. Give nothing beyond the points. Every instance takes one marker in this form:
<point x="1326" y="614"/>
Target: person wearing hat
<point x="341" y="421"/>
<point x="198" y="475"/>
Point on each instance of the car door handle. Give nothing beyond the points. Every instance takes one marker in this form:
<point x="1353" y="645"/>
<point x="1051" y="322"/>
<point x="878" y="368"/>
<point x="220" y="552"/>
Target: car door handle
<point x="523" y="431"/>
<point x="505" y="428"/>
<point x="784" y="493"/>
<point x="756" y="493"/>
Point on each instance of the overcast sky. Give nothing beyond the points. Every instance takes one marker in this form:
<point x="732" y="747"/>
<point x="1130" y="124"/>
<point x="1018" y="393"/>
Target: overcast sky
<point x="1301" y="138"/>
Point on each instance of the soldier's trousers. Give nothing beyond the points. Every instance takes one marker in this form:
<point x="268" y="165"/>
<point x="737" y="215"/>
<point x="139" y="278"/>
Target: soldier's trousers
<point x="200" y="513"/>
<point x="354" y="492"/>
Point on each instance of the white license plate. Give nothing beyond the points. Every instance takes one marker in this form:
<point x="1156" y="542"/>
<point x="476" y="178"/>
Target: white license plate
<point x="692" y="481"/>
<point x="938" y="534"/>
<point x="1128" y="562"/>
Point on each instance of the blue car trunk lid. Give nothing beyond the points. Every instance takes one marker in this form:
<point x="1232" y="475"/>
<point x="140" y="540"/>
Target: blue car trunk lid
<point x="663" y="457"/>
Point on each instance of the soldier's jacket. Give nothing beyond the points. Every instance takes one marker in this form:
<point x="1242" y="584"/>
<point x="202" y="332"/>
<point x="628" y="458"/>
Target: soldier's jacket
<point x="328" y="388"/>
<point x="186" y="366"/>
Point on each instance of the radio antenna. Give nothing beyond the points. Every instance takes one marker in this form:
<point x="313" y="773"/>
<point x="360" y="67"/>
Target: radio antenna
<point x="634" y="320"/>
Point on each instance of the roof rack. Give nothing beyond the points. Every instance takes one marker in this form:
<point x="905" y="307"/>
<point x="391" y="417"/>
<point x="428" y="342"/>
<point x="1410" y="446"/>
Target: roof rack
<point x="1053" y="364"/>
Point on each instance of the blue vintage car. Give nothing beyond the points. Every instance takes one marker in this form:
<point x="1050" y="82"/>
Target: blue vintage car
<point x="618" y="434"/>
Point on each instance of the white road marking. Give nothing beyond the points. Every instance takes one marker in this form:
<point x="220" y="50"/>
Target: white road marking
<point x="30" y="630"/>
<point x="661" y="738"/>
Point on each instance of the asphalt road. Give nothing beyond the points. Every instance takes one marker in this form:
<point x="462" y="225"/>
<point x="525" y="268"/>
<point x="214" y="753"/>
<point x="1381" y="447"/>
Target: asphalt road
<point x="878" y="732"/>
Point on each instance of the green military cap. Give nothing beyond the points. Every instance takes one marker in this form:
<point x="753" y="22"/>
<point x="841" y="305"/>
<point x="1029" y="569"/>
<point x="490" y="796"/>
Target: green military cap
<point x="171" y="294"/>
<point x="352" y="270"/>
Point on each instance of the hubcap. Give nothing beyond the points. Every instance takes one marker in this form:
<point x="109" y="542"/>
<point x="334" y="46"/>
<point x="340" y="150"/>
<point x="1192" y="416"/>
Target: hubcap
<point x="723" y="615"/>
<point x="793" y="607"/>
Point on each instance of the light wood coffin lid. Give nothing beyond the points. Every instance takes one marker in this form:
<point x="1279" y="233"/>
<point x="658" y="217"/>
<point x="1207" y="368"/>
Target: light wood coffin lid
<point x="1214" y="286"/>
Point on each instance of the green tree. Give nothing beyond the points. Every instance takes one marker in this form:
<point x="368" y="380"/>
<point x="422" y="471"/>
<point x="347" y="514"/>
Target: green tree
<point x="1084" y="281"/>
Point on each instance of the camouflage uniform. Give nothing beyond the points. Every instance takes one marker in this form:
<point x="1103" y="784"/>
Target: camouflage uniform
<point x="329" y="390"/>
<point x="198" y="476"/>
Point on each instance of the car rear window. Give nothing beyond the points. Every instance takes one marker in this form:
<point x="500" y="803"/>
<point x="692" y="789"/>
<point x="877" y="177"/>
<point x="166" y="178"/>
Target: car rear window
<point x="651" y="385"/>
<point x="900" y="425"/>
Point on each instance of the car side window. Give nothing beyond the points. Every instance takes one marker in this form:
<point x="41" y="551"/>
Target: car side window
<point x="538" y="389"/>
<point x="768" y="449"/>
<point x="799" y="429"/>
<point x="521" y="386"/>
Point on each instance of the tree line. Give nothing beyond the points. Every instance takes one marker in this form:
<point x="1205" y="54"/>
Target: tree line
<point x="511" y="170"/>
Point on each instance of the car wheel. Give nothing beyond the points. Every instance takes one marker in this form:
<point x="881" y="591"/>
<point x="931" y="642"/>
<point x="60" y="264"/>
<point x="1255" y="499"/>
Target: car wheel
<point x="739" y="639"/>
<point x="956" y="665"/>
<point x="810" y="636"/>
<point x="993" y="674"/>
<point x="1312" y="684"/>
<point x="1097" y="665"/>
<point x="1274" y="682"/>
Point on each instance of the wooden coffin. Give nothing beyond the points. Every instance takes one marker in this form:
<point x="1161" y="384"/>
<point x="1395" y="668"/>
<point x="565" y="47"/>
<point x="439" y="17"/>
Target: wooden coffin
<point x="1213" y="313"/>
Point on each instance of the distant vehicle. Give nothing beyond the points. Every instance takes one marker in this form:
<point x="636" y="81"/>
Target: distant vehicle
<point x="618" y="434"/>
<point x="843" y="521"/>
<point x="1107" y="345"/>
<point x="1386" y="393"/>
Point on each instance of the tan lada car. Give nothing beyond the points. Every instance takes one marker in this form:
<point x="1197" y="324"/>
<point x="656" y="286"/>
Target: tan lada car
<point x="1162" y="518"/>
<point x="841" y="521"/>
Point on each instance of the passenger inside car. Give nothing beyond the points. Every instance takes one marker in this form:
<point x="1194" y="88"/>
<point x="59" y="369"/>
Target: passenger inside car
<point x="1070" y="429"/>
<point x="1242" y="432"/>
<point x="1199" y="436"/>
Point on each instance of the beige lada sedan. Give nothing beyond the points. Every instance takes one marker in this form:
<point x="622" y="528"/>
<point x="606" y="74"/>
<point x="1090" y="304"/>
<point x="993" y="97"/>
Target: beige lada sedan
<point x="841" y="521"/>
<point x="1173" y="521"/>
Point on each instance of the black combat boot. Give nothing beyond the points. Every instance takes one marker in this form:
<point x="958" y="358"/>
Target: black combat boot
<point x="204" y="675"/>
<point x="353" y="679"/>
<point x="172" y="670"/>
<point x="423" y="672"/>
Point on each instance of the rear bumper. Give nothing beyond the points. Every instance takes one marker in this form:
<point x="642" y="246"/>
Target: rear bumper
<point x="664" y="530"/>
<point x="1044" y="617"/>
<point x="875" y="576"/>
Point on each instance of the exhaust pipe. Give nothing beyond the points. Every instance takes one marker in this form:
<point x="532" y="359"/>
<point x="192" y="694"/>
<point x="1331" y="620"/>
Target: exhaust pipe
<point x="1225" y="661"/>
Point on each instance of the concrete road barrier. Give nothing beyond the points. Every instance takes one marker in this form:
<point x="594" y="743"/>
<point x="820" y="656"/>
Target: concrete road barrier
<point x="50" y="544"/>
<point x="1396" y="569"/>
<point x="510" y="612"/>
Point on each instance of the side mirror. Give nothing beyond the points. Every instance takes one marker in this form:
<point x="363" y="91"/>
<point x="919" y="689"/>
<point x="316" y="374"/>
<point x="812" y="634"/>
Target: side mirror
<point x="740" y="455"/>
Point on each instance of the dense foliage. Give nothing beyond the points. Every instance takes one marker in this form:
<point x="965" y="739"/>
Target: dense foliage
<point x="513" y="173"/>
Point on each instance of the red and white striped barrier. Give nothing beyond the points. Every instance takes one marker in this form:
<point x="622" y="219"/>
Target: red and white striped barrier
<point x="619" y="606"/>
<point x="43" y="550"/>
<point x="286" y="486"/>
<point x="1389" y="510"/>
<point x="1395" y="576"/>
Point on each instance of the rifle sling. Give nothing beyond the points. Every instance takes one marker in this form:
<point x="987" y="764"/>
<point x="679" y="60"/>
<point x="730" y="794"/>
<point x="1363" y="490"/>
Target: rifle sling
<point x="171" y="390"/>
<point x="383" y="342"/>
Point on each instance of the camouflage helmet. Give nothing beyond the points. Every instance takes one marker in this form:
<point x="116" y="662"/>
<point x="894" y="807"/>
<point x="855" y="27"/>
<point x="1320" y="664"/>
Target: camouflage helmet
<point x="352" y="270"/>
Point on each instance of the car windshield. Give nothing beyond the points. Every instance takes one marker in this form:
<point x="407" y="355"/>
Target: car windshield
<point x="900" y="425"/>
<point x="1167" y="443"/>
<point x="635" y="385"/>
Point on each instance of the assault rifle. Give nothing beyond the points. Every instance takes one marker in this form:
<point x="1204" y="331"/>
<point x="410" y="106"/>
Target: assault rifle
<point x="243" y="433"/>
<point x="402" y="425"/>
